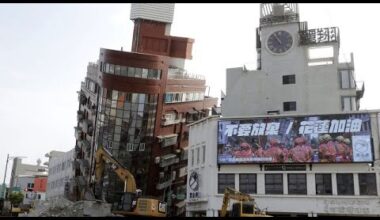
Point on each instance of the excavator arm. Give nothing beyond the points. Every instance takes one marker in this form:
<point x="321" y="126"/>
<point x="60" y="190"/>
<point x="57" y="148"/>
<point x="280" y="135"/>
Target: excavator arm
<point x="230" y="193"/>
<point x="102" y="158"/>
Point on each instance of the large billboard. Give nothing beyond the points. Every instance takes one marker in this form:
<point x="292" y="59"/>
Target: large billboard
<point x="340" y="138"/>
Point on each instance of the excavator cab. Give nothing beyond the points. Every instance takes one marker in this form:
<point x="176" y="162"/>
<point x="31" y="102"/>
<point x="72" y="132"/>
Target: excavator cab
<point x="246" y="209"/>
<point x="127" y="202"/>
<point x="132" y="205"/>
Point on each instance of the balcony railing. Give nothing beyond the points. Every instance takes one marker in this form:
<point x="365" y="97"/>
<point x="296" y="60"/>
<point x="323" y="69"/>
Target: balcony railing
<point x="80" y="115"/>
<point x="168" y="160"/>
<point x="86" y="145"/>
<point x="78" y="133"/>
<point x="176" y="73"/>
<point x="165" y="122"/>
<point x="165" y="183"/>
<point x="87" y="127"/>
<point x="167" y="140"/>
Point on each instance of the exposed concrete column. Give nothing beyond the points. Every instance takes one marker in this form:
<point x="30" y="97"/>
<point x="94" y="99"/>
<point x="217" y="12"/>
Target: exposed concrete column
<point x="333" y="183"/>
<point x="356" y="184"/>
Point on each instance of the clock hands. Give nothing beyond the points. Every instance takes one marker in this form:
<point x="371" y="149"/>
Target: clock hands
<point x="278" y="40"/>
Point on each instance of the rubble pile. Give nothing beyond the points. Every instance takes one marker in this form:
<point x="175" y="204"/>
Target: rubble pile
<point x="57" y="208"/>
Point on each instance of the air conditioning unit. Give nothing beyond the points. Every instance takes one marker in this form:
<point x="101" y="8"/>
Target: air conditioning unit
<point x="157" y="160"/>
<point x="174" y="173"/>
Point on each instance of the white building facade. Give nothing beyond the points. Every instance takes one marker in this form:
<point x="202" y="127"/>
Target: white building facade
<point x="292" y="189"/>
<point x="301" y="100"/>
<point x="60" y="172"/>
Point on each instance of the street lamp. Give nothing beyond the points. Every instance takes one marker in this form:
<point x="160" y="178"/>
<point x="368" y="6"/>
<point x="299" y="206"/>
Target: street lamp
<point x="5" y="173"/>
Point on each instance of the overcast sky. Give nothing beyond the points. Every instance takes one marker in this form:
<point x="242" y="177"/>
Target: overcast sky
<point x="45" y="49"/>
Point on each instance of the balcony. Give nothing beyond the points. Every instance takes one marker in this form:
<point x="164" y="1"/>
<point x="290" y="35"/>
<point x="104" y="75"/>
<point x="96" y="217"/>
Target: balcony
<point x="86" y="145"/>
<point x="164" y="183"/>
<point x="80" y="115"/>
<point x="77" y="148"/>
<point x="87" y="127"/>
<point x="168" y="159"/>
<point x="177" y="73"/>
<point x="167" y="140"/>
<point x="75" y="165"/>
<point x="166" y="122"/>
<point x="78" y="133"/>
<point x="82" y="99"/>
<point x="359" y="89"/>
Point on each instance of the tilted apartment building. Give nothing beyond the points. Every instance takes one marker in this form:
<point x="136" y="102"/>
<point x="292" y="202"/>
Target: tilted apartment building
<point x="137" y="105"/>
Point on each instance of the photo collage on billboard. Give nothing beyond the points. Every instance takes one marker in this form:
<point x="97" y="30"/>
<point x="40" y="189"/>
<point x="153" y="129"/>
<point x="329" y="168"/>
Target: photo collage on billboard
<point x="340" y="138"/>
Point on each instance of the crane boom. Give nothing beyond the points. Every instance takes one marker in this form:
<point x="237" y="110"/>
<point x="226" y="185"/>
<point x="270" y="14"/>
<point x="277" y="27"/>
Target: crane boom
<point x="102" y="157"/>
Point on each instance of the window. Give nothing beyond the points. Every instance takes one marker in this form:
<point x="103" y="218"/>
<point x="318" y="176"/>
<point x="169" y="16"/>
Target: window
<point x="117" y="70"/>
<point x="297" y="184"/>
<point x="367" y="184"/>
<point x="131" y="71"/>
<point x="345" y="184"/>
<point x="107" y="70"/>
<point x="138" y="72"/>
<point x="290" y="106"/>
<point x="168" y="97"/>
<point x="170" y="116"/>
<point x="144" y="73"/>
<point x="346" y="79"/>
<point x="112" y="69"/>
<point x="247" y="183"/>
<point x="198" y="156"/>
<point x="348" y="103"/>
<point x="204" y="153"/>
<point x="273" y="184"/>
<point x="224" y="181"/>
<point x="192" y="157"/>
<point x="323" y="184"/>
<point x="289" y="79"/>
<point x="123" y="71"/>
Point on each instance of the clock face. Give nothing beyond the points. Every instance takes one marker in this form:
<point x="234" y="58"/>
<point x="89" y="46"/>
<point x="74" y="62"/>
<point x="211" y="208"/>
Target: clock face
<point x="280" y="42"/>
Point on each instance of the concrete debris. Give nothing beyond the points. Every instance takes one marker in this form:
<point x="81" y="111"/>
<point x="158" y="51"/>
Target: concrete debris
<point x="65" y="208"/>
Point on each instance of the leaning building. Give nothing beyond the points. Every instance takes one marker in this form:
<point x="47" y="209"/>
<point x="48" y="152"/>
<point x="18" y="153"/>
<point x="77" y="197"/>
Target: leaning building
<point x="137" y="105"/>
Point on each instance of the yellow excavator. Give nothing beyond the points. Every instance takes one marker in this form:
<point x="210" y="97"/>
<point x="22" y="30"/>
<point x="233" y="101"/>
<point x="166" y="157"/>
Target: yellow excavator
<point x="130" y="204"/>
<point x="245" y="207"/>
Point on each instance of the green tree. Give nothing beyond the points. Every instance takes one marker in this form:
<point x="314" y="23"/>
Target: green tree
<point x="16" y="198"/>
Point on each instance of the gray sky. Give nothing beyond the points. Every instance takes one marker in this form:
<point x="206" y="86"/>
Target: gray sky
<point x="45" y="49"/>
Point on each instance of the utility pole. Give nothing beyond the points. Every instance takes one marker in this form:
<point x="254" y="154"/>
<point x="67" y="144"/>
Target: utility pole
<point x="5" y="175"/>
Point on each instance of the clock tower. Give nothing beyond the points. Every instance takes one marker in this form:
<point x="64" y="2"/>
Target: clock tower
<point x="277" y="36"/>
<point x="298" y="70"/>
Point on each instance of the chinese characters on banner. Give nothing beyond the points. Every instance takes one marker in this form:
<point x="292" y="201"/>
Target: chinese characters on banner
<point x="311" y="139"/>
